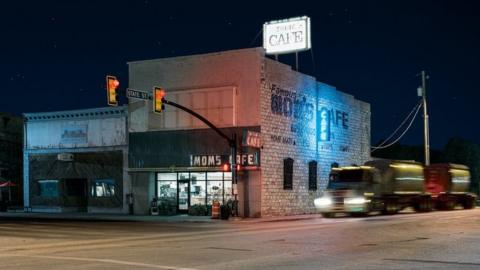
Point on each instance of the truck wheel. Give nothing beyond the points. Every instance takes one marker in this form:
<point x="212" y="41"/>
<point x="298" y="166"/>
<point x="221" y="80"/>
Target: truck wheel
<point x="424" y="204"/>
<point x="390" y="207"/>
<point x="468" y="202"/>
<point x="449" y="204"/>
<point x="328" y="215"/>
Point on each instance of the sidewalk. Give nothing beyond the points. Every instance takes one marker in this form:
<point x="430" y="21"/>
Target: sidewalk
<point x="89" y="217"/>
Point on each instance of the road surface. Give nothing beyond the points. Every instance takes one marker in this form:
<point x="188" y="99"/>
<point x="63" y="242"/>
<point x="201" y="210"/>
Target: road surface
<point x="437" y="240"/>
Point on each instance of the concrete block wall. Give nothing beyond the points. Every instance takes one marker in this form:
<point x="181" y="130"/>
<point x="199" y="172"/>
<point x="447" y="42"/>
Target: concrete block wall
<point x="288" y="119"/>
<point x="349" y="141"/>
<point x="289" y="106"/>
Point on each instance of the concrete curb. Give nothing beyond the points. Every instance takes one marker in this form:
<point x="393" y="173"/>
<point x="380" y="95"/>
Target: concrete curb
<point x="129" y="218"/>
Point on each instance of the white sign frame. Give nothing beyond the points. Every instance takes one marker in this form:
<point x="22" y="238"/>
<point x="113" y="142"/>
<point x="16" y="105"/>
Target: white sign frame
<point x="283" y="29"/>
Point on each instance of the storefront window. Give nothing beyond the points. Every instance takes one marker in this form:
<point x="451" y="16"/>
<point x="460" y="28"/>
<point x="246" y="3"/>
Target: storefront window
<point x="214" y="191"/>
<point x="197" y="176"/>
<point x="197" y="192"/>
<point x="214" y="176"/>
<point x="167" y="176"/>
<point x="167" y="190"/>
<point x="48" y="188"/>
<point x="228" y="191"/>
<point x="197" y="188"/>
<point x="103" y="188"/>
<point x="183" y="176"/>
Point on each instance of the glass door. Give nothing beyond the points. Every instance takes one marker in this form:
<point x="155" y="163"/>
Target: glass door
<point x="183" y="196"/>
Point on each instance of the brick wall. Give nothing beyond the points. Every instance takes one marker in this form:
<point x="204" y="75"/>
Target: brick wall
<point x="289" y="106"/>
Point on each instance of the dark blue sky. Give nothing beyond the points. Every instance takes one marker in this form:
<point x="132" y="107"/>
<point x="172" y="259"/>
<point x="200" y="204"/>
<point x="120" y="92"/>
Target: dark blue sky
<point x="55" y="55"/>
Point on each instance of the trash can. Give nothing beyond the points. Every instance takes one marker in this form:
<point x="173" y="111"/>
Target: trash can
<point x="224" y="212"/>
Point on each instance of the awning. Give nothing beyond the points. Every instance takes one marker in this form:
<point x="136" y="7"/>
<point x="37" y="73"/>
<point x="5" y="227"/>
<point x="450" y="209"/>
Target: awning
<point x="7" y="184"/>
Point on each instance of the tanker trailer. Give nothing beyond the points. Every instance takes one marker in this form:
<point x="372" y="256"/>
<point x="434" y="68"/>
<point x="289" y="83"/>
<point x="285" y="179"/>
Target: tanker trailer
<point x="381" y="185"/>
<point x="449" y="184"/>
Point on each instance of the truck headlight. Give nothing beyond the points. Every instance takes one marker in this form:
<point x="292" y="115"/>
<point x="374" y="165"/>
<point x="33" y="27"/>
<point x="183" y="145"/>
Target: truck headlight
<point x="322" y="202"/>
<point x="356" y="200"/>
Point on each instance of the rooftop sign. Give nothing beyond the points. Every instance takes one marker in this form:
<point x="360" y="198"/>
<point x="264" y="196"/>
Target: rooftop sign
<point x="287" y="36"/>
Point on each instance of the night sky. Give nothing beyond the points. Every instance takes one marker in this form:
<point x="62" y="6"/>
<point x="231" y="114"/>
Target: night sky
<point x="55" y="55"/>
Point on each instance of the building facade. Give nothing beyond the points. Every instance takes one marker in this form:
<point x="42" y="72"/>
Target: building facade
<point x="11" y="129"/>
<point x="292" y="129"/>
<point x="76" y="161"/>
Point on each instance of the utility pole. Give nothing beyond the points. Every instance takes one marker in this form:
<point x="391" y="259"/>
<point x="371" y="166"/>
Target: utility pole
<point x="425" y="120"/>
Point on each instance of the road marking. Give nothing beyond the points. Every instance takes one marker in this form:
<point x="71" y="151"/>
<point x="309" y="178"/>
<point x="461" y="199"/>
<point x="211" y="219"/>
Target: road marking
<point x="432" y="261"/>
<point x="111" y="261"/>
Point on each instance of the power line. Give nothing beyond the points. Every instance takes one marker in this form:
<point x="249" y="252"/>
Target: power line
<point x="396" y="130"/>
<point x="381" y="146"/>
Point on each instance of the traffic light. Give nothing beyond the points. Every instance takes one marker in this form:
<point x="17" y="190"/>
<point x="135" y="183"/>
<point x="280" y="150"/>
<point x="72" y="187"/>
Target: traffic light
<point x="158" y="98"/>
<point x="112" y="85"/>
<point x="226" y="167"/>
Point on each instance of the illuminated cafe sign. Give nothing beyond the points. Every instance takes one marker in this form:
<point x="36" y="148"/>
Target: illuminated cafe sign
<point x="287" y="36"/>
<point x="251" y="138"/>
<point x="251" y="159"/>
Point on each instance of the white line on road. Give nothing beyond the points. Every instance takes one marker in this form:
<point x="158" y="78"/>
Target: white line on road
<point x="146" y="265"/>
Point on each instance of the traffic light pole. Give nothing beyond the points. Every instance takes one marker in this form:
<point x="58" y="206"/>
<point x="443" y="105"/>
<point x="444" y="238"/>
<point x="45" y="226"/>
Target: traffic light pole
<point x="232" y="142"/>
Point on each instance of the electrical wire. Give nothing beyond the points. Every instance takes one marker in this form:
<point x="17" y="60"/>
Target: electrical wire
<point x="398" y="128"/>
<point x="256" y="37"/>
<point x="381" y="146"/>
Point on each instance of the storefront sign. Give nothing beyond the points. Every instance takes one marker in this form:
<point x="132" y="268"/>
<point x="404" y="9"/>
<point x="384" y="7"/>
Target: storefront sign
<point x="287" y="36"/>
<point x="327" y="118"/>
<point x="65" y="157"/>
<point x="287" y="103"/>
<point x="217" y="160"/>
<point x="251" y="138"/>
<point x="74" y="134"/>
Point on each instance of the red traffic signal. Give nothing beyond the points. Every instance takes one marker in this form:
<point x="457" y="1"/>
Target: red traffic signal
<point x="158" y="97"/>
<point x="226" y="167"/>
<point x="112" y="85"/>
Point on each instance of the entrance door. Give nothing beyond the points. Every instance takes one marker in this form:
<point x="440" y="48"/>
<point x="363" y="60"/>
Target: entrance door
<point x="76" y="193"/>
<point x="183" y="195"/>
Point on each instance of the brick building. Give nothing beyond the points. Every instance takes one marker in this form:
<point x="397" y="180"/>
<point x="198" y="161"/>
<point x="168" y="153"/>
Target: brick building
<point x="304" y="127"/>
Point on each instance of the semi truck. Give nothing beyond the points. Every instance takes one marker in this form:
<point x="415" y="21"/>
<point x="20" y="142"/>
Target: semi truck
<point x="389" y="186"/>
<point x="448" y="185"/>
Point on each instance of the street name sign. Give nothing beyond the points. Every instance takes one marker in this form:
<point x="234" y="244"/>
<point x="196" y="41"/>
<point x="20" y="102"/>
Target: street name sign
<point x="131" y="93"/>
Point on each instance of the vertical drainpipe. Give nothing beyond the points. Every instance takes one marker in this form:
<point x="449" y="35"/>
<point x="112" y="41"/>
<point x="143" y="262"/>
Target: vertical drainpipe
<point x="26" y="184"/>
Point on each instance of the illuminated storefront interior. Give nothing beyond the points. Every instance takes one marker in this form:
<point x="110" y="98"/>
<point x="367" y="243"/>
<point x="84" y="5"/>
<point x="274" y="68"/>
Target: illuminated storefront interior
<point x="186" y="189"/>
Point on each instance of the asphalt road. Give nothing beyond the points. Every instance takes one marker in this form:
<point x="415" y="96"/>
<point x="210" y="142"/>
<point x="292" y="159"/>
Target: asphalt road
<point x="437" y="240"/>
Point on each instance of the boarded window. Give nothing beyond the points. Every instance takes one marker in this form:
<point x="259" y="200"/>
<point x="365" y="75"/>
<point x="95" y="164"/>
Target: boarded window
<point x="288" y="173"/>
<point x="312" y="175"/>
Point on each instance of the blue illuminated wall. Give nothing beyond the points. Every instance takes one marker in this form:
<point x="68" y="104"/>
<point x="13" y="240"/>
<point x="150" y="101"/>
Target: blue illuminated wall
<point x="306" y="120"/>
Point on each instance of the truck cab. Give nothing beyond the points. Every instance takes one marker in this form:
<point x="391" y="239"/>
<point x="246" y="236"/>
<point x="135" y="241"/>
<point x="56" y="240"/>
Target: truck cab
<point x="350" y="190"/>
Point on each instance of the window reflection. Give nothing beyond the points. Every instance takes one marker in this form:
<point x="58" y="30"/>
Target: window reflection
<point x="214" y="191"/>
<point x="197" y="192"/>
